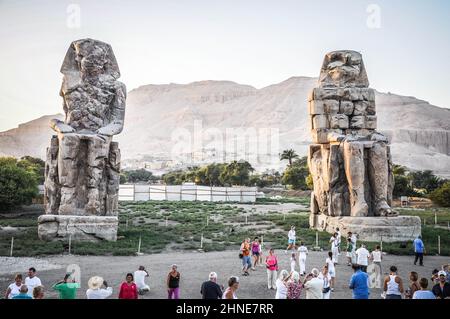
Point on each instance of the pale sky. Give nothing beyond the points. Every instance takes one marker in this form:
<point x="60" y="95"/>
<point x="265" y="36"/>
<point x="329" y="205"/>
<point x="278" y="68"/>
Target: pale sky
<point x="255" y="42"/>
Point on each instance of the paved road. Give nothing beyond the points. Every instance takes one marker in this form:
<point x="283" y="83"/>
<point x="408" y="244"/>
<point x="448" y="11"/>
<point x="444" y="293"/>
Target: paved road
<point x="195" y="267"/>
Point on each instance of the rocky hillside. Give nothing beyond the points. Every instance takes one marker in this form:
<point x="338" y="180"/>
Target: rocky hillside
<point x="163" y="120"/>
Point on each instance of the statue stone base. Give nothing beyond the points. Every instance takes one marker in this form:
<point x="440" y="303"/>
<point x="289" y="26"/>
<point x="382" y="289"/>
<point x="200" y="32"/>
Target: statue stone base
<point x="79" y="228"/>
<point x="388" y="229"/>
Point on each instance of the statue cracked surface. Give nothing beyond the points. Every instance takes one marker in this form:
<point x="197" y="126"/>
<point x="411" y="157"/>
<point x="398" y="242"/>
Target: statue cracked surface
<point x="83" y="164"/>
<point x="350" y="161"/>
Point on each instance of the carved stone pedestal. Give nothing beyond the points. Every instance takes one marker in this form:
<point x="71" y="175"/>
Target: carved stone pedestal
<point x="389" y="229"/>
<point x="80" y="228"/>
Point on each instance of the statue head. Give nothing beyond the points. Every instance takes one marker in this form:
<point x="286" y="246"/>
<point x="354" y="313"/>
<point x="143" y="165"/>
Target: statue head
<point x="88" y="57"/>
<point x="343" y="69"/>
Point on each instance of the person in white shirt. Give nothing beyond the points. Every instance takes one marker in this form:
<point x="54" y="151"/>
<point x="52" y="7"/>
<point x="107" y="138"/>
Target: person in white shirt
<point x="96" y="291"/>
<point x="325" y="276"/>
<point x="331" y="269"/>
<point x="14" y="288"/>
<point x="313" y="285"/>
<point x="291" y="239"/>
<point x="139" y="279"/>
<point x="32" y="281"/>
<point x="335" y="247"/>
<point x="353" y="239"/>
<point x="362" y="257"/>
<point x="302" y="252"/>
<point x="282" y="285"/>
<point x="376" y="257"/>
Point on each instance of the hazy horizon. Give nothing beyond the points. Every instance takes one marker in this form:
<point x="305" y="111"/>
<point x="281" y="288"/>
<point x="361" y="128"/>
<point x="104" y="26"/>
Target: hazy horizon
<point x="257" y="43"/>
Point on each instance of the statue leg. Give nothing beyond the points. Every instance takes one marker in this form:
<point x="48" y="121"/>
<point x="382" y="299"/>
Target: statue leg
<point x="379" y="178"/>
<point x="354" y="170"/>
<point x="98" y="149"/>
<point x="69" y="145"/>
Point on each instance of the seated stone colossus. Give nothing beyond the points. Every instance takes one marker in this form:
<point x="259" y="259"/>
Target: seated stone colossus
<point x="83" y="164"/>
<point x="350" y="162"/>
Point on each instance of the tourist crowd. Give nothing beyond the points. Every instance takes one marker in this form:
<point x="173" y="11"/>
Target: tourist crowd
<point x="317" y="284"/>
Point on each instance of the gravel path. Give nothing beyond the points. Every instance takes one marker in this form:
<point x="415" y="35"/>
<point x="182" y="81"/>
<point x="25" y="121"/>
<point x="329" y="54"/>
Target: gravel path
<point x="194" y="268"/>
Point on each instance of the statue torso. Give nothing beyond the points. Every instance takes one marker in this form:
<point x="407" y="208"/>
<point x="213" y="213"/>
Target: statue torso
<point x="87" y="105"/>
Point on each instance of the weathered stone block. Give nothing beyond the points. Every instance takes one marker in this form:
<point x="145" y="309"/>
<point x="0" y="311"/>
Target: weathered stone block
<point x="331" y="106"/>
<point x="320" y="122"/>
<point x="360" y="108"/>
<point x="339" y="121"/>
<point x="316" y="107"/>
<point x="370" y="108"/>
<point x="346" y="107"/>
<point x="357" y="122"/>
<point x="371" y="122"/>
<point x="80" y="228"/>
<point x="319" y="136"/>
<point x="372" y="229"/>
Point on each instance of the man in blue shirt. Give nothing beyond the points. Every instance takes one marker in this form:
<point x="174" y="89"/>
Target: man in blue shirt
<point x="23" y="293"/>
<point x="419" y="248"/>
<point x="359" y="283"/>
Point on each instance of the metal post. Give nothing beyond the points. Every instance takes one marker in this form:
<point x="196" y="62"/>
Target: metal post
<point x="201" y="241"/>
<point x="134" y="192"/>
<point x="381" y="243"/>
<point x="246" y="219"/>
<point x="317" y="239"/>
<point x="70" y="244"/>
<point x="126" y="224"/>
<point x="424" y="220"/>
<point x="167" y="221"/>
<point x="207" y="220"/>
<point x="139" y="245"/>
<point x="439" y="245"/>
<point x="12" y="247"/>
<point x="435" y="218"/>
<point x="284" y="216"/>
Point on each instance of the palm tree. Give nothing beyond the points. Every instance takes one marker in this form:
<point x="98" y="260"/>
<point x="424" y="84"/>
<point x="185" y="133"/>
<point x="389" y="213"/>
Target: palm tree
<point x="288" y="155"/>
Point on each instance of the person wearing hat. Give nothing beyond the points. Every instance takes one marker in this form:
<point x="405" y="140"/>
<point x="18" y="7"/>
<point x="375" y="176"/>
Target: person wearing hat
<point x="67" y="287"/>
<point x="210" y="289"/>
<point x="442" y="289"/>
<point x="96" y="291"/>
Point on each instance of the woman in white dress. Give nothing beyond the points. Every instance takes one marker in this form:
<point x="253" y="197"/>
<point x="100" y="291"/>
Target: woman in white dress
<point x="331" y="269"/>
<point x="326" y="277"/>
<point x="282" y="285"/>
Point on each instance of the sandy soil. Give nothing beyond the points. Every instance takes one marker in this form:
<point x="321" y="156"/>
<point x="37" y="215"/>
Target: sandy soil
<point x="194" y="268"/>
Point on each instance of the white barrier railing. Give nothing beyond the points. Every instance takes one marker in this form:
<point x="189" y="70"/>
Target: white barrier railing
<point x="145" y="192"/>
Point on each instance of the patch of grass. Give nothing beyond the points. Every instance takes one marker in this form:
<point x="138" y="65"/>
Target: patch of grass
<point x="443" y="215"/>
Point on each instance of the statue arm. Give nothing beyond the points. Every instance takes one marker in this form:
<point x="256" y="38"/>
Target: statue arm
<point x="61" y="127"/>
<point x="117" y="113"/>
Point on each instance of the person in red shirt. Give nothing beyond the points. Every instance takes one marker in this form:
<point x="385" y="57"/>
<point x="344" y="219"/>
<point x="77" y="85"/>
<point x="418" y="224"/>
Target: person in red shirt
<point x="128" y="289"/>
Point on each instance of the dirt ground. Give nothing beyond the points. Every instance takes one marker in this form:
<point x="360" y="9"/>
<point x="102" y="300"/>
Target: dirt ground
<point x="194" y="268"/>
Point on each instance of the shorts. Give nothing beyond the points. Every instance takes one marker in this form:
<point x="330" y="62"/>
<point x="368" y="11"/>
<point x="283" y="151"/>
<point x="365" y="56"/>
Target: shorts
<point x="291" y="241"/>
<point x="246" y="261"/>
<point x="255" y="253"/>
<point x="332" y="273"/>
<point x="349" y="254"/>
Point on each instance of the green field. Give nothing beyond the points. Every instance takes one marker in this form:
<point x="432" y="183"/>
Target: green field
<point x="177" y="226"/>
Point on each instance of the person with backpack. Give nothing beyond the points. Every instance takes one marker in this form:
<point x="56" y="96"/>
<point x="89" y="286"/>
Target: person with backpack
<point x="272" y="268"/>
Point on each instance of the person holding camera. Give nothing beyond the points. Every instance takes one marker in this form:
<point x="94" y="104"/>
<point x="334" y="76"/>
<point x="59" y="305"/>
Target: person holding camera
<point x="67" y="288"/>
<point x="96" y="290"/>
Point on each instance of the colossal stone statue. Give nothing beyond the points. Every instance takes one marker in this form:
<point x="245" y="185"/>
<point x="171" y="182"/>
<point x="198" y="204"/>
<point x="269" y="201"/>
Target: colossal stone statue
<point x="83" y="164"/>
<point x="350" y="161"/>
